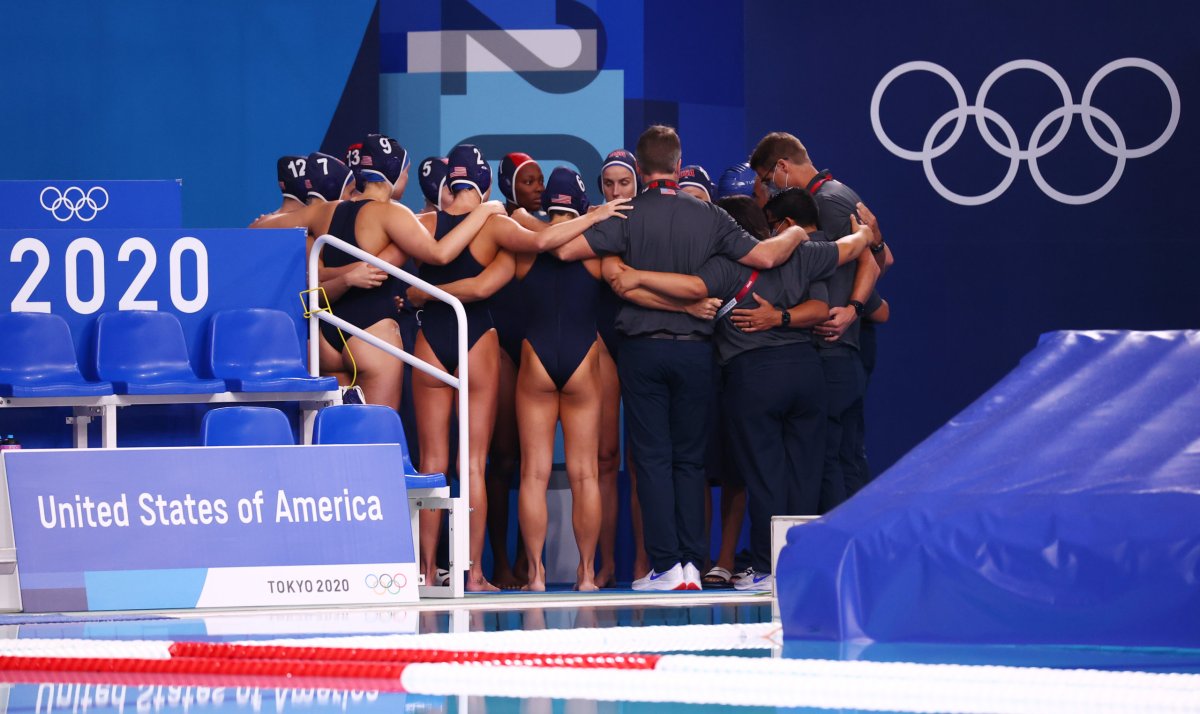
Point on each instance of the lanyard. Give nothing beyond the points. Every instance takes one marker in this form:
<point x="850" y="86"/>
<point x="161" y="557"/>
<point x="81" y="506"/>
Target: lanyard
<point x="728" y="307"/>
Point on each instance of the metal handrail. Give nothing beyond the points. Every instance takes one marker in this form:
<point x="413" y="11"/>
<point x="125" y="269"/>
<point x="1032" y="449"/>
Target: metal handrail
<point x="460" y="514"/>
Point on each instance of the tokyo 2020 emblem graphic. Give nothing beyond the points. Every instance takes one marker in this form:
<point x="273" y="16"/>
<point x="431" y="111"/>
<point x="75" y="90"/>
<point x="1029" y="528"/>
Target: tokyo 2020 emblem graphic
<point x="1035" y="148"/>
<point x="74" y="202"/>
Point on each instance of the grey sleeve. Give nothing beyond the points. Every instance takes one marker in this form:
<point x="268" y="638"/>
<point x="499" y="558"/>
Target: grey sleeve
<point x="731" y="240"/>
<point x="721" y="277"/>
<point x="819" y="291"/>
<point x="607" y="236"/>
<point x="820" y="260"/>
<point x="873" y="303"/>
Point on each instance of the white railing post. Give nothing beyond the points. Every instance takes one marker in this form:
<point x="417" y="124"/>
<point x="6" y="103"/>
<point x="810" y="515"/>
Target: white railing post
<point x="460" y="514"/>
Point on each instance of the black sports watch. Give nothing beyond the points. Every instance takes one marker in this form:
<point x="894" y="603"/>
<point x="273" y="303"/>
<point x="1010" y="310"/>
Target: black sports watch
<point x="785" y="318"/>
<point x="876" y="249"/>
<point x="859" y="308"/>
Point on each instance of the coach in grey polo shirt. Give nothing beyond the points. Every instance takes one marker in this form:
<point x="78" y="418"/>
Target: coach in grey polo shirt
<point x="666" y="359"/>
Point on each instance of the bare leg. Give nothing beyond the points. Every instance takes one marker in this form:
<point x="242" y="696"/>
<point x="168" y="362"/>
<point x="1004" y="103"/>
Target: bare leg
<point x="502" y="461"/>
<point x="609" y="460"/>
<point x="537" y="404"/>
<point x="733" y="510"/>
<point x="580" y="414"/>
<point x="380" y="374"/>
<point x="641" y="562"/>
<point x="434" y="402"/>
<point x="484" y="369"/>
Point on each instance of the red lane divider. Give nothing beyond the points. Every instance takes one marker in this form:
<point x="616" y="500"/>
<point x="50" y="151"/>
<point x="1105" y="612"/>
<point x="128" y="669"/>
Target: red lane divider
<point x="210" y="665"/>
<point x="221" y="650"/>
<point x="188" y="678"/>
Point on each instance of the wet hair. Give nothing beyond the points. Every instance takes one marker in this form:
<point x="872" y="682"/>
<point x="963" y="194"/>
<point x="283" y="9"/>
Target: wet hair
<point x="794" y="203"/>
<point x="775" y="146"/>
<point x="658" y="150"/>
<point x="748" y="215"/>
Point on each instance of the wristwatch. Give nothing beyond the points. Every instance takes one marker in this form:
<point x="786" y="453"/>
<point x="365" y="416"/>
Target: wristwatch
<point x="859" y="308"/>
<point x="876" y="249"/>
<point x="785" y="318"/>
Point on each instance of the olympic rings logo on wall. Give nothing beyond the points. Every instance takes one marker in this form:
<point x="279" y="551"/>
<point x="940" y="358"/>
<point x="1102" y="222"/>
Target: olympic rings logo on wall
<point x="386" y="584"/>
<point x="74" y="202"/>
<point x="1010" y="148"/>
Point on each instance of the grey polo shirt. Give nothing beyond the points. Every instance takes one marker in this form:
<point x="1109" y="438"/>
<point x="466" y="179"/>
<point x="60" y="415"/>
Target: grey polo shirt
<point x="668" y="231"/>
<point x="835" y="202"/>
<point x="801" y="278"/>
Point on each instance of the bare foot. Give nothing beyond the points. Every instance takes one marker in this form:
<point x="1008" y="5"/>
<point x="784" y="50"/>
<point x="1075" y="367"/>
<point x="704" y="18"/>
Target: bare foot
<point x="507" y="580"/>
<point x="536" y="585"/>
<point x="586" y="586"/>
<point x="479" y="584"/>
<point x="605" y="578"/>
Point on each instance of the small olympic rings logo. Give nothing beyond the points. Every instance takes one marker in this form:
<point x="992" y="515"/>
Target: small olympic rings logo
<point x="74" y="202"/>
<point x="1010" y="148"/>
<point x="386" y="584"/>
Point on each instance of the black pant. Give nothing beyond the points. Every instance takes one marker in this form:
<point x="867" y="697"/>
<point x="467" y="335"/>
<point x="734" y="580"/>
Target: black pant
<point x="775" y="398"/>
<point x="667" y="389"/>
<point x="844" y="385"/>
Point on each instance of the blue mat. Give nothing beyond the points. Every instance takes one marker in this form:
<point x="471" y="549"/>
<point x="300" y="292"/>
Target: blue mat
<point x="1062" y="507"/>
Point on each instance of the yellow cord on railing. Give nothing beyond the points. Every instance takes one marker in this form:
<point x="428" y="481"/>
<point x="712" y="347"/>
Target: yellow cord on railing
<point x="322" y="295"/>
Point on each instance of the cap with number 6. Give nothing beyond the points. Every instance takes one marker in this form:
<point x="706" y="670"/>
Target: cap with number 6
<point x="565" y="192"/>
<point x="468" y="169"/>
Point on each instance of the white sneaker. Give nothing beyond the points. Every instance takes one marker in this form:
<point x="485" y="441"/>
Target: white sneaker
<point x="754" y="582"/>
<point x="691" y="577"/>
<point x="669" y="580"/>
<point x="733" y="581"/>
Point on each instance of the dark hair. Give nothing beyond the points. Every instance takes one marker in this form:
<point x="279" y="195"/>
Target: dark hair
<point x="748" y="215"/>
<point x="658" y="150"/>
<point x="775" y="146"/>
<point x="794" y="203"/>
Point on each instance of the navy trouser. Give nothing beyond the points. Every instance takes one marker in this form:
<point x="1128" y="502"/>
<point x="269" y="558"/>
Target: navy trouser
<point x="775" y="398"/>
<point x="667" y="389"/>
<point x="845" y="383"/>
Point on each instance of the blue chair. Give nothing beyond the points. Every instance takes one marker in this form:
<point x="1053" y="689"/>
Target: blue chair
<point x="144" y="352"/>
<point x="246" y="426"/>
<point x="257" y="350"/>
<point x="371" y="424"/>
<point x="38" y="359"/>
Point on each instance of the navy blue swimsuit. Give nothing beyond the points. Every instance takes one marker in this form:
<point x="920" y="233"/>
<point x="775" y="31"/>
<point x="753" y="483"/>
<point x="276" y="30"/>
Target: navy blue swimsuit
<point x="560" y="299"/>
<point x="361" y="307"/>
<point x="438" y="322"/>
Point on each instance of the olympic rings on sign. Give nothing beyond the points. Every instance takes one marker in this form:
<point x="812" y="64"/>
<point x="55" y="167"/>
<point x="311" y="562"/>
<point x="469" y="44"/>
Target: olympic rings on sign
<point x="74" y="203"/>
<point x="1010" y="146"/>
<point x="386" y="584"/>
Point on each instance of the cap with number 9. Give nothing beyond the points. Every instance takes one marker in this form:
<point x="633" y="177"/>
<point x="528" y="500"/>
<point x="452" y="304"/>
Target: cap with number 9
<point x="377" y="158"/>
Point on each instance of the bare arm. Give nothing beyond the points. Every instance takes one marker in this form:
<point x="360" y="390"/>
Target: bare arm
<point x="851" y="246"/>
<point x="575" y="249"/>
<point x="412" y="238"/>
<point x="496" y="275"/>
<point x="774" y="251"/>
<point x="673" y="285"/>
<point x="703" y="309"/>
<point x="865" y="278"/>
<point x="512" y="235"/>
<point x="766" y="316"/>
<point x="883" y="258"/>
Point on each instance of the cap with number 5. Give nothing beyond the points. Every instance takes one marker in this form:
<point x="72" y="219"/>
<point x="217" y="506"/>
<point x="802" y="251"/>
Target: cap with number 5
<point x="431" y="174"/>
<point x="468" y="169"/>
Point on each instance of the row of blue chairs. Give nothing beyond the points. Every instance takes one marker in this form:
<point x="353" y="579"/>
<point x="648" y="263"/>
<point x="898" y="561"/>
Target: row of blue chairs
<point x="341" y="424"/>
<point x="141" y="352"/>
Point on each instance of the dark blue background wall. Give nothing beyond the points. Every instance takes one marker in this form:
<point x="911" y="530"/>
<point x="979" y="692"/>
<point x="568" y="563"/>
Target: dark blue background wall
<point x="213" y="92"/>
